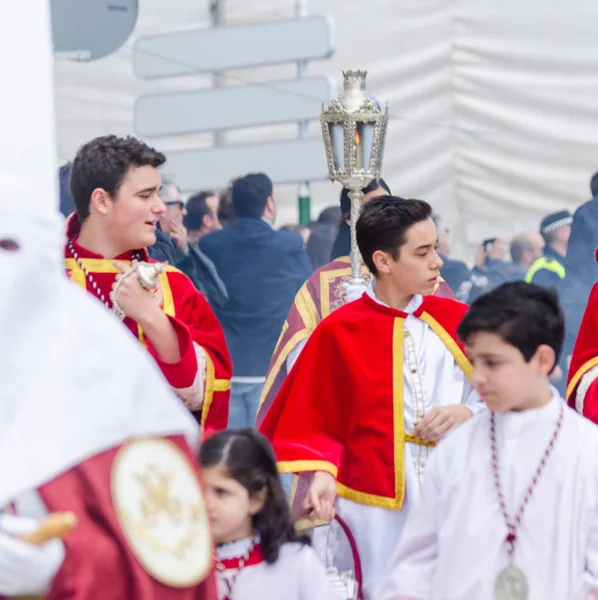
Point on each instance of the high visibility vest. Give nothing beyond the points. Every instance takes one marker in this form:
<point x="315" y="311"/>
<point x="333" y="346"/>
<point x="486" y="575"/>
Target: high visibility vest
<point x="544" y="263"/>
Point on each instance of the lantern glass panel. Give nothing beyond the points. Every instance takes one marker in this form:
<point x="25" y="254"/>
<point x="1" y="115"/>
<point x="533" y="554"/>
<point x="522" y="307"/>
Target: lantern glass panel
<point x="364" y="139"/>
<point x="337" y="137"/>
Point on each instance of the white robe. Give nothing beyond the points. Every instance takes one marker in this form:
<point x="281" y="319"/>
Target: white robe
<point x="453" y="544"/>
<point x="296" y="575"/>
<point x="431" y="378"/>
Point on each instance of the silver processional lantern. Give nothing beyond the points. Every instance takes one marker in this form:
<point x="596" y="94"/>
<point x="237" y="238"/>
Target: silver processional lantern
<point x="354" y="130"/>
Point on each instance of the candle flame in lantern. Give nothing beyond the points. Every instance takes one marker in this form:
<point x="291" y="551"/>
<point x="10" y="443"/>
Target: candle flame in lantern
<point x="357" y="139"/>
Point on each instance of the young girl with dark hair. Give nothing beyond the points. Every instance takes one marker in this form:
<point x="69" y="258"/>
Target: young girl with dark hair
<point x="258" y="552"/>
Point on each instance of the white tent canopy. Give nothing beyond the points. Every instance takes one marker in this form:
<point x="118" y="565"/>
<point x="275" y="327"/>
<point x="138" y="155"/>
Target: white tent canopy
<point x="494" y="105"/>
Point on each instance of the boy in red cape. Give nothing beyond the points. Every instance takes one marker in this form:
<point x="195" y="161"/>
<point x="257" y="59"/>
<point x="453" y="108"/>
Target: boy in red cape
<point x="377" y="384"/>
<point x="327" y="289"/>
<point x="114" y="185"/>
<point x="582" y="384"/>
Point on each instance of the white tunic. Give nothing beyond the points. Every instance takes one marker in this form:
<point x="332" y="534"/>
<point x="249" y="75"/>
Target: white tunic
<point x="298" y="574"/>
<point x="453" y="544"/>
<point x="431" y="378"/>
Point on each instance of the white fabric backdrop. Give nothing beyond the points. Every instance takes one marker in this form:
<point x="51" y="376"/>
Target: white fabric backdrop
<point x="494" y="104"/>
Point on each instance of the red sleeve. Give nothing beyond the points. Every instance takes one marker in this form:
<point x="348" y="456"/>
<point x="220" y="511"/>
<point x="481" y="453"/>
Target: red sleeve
<point x="197" y="324"/>
<point x="182" y="373"/>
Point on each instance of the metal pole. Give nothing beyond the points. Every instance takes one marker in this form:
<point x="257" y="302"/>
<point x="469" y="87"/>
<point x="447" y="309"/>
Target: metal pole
<point x="304" y="188"/>
<point x="217" y="17"/>
<point x="355" y="195"/>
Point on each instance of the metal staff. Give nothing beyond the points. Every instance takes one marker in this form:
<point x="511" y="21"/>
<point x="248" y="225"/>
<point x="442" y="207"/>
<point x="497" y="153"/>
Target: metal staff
<point x="354" y="131"/>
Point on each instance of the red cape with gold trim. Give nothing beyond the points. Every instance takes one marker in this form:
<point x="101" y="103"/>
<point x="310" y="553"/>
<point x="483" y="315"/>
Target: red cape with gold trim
<point x="193" y="319"/>
<point x="341" y="408"/>
<point x="585" y="357"/>
<point x="101" y="563"/>
<point x="319" y="296"/>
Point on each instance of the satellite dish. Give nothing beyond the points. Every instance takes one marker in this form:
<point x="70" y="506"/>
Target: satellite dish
<point x="91" y="29"/>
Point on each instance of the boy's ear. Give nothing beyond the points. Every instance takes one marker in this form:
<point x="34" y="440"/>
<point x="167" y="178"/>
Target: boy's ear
<point x="383" y="261"/>
<point x="100" y="200"/>
<point x="546" y="359"/>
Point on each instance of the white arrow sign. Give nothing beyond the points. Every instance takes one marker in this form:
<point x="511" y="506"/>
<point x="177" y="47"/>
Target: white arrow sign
<point x="238" y="47"/>
<point x="216" y="109"/>
<point x="284" y="162"/>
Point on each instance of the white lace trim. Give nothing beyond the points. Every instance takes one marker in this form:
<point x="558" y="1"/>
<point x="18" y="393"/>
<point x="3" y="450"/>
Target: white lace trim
<point x="582" y="389"/>
<point x="238" y="548"/>
<point x="193" y="395"/>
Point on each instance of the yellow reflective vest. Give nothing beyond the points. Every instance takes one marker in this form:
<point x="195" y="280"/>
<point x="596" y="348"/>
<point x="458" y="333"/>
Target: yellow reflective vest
<point x="549" y="264"/>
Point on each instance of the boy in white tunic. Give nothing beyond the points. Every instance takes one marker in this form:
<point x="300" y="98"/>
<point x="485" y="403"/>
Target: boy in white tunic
<point x="509" y="507"/>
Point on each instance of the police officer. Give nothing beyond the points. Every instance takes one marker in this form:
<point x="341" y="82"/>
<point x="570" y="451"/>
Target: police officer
<point x="549" y="269"/>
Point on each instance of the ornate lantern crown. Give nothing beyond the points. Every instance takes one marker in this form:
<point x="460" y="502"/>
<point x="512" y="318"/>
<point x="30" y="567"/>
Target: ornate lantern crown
<point x="354" y="130"/>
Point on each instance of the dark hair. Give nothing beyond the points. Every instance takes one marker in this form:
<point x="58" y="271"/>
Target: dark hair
<point x="250" y="194"/>
<point x="524" y="315"/>
<point x="331" y="215"/>
<point x="370" y="187"/>
<point x="104" y="163"/>
<point x="594" y="185"/>
<point x="197" y="209"/>
<point x="249" y="459"/>
<point x="226" y="210"/>
<point x="383" y="225"/>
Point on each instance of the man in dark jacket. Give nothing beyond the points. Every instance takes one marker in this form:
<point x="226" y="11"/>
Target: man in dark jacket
<point x="490" y="269"/>
<point x="262" y="269"/>
<point x="172" y="247"/>
<point x="580" y="266"/>
<point x="584" y="229"/>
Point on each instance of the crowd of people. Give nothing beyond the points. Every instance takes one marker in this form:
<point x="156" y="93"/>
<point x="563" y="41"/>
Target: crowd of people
<point x="261" y="289"/>
<point x="198" y="406"/>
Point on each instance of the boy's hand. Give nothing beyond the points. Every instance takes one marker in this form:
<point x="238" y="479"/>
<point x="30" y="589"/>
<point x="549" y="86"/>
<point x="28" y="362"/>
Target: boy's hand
<point x="321" y="496"/>
<point x="440" y="420"/>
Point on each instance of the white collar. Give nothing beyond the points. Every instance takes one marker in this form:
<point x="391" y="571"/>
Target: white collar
<point x="546" y="412"/>
<point x="238" y="548"/>
<point x="413" y="305"/>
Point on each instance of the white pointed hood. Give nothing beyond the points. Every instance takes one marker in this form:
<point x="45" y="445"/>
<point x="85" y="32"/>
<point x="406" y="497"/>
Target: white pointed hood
<point x="73" y="381"/>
